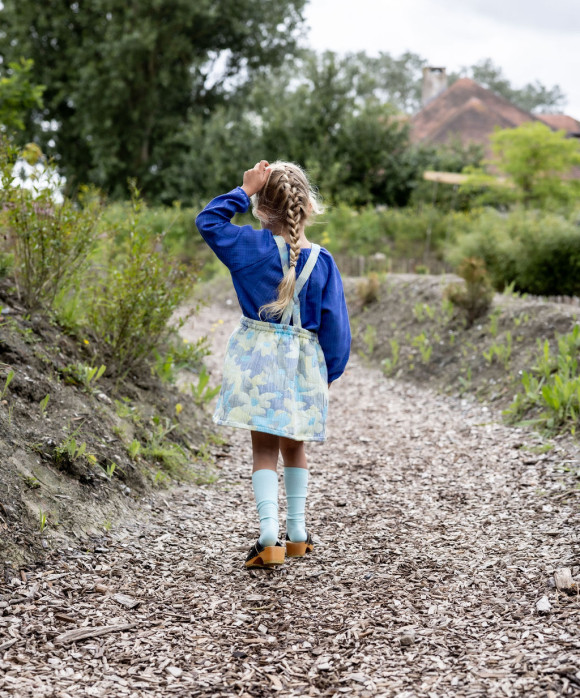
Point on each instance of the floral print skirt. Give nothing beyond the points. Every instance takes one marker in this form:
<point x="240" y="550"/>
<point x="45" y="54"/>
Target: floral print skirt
<point x="275" y="381"/>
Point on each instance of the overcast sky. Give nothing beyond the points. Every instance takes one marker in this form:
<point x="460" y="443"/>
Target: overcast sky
<point x="529" y="39"/>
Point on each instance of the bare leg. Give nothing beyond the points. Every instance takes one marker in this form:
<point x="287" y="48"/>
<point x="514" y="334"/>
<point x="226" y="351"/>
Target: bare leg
<point x="265" y="448"/>
<point x="293" y="453"/>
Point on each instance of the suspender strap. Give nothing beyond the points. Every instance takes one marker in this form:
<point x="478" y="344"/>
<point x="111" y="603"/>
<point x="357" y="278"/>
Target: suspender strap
<point x="283" y="252"/>
<point x="307" y="270"/>
<point x="293" y="308"/>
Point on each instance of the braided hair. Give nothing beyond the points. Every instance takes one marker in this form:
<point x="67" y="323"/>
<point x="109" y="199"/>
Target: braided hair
<point x="287" y="199"/>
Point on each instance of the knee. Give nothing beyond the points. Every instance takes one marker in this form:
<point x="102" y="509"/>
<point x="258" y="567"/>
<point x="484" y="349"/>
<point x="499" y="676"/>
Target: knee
<point x="290" y="448"/>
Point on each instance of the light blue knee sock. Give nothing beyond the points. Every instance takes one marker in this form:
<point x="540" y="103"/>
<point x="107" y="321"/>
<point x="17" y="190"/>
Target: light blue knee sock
<point x="296" y="483"/>
<point x="265" y="484"/>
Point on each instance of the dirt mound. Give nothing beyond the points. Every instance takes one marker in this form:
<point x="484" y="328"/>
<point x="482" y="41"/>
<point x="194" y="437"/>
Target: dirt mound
<point x="416" y="335"/>
<point x="72" y="444"/>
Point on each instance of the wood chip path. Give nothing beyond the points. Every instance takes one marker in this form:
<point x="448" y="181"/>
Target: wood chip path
<point x="437" y="536"/>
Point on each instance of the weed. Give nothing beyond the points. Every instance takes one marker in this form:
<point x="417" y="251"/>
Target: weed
<point x="32" y="482"/>
<point x="42" y="520"/>
<point x="161" y="479"/>
<point x="42" y="404"/>
<point x="422" y="310"/>
<point x="81" y="374"/>
<point x="466" y="382"/>
<point x="538" y="449"/>
<point x="521" y="319"/>
<point x="107" y="525"/>
<point x="389" y="364"/>
<point x="494" y="322"/>
<point x="69" y="450"/>
<point x="421" y="342"/>
<point x="110" y="469"/>
<point x="555" y="389"/>
<point x="202" y="393"/>
<point x="133" y="449"/>
<point x="171" y="455"/>
<point x="500" y="351"/>
<point x="7" y="382"/>
<point x="370" y="338"/>
<point x="447" y="310"/>
<point x="125" y="410"/>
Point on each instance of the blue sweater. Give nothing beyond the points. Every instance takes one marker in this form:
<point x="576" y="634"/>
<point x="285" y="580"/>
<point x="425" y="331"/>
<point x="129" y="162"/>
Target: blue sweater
<point x="253" y="260"/>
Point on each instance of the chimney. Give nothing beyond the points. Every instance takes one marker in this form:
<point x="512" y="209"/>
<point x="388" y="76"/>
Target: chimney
<point x="434" y="83"/>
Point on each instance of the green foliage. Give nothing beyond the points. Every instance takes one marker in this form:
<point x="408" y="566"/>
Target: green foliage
<point x="423" y="310"/>
<point x="500" y="352"/>
<point x="43" y="404"/>
<point x="69" y="450"/>
<point x="139" y="70"/>
<point x="7" y="382"/>
<point x="133" y="449"/>
<point x="18" y="94"/>
<point x="537" y="252"/>
<point x="42" y="520"/>
<point x="390" y="364"/>
<point x="369" y="339"/>
<point x="475" y="296"/>
<point x="553" y="386"/>
<point x="172" y="456"/>
<point x="202" y="393"/>
<point x="50" y="242"/>
<point x="422" y="342"/>
<point x="178" y="355"/>
<point x="537" y="163"/>
<point x="81" y="374"/>
<point x="135" y="297"/>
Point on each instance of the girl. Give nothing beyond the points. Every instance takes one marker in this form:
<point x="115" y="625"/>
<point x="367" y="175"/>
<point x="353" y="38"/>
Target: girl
<point x="292" y="342"/>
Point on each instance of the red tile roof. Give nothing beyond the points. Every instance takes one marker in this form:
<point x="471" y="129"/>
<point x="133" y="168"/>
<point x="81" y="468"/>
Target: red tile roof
<point x="561" y="121"/>
<point x="466" y="111"/>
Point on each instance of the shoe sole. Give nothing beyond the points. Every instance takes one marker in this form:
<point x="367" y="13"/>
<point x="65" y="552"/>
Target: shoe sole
<point x="298" y="549"/>
<point x="271" y="556"/>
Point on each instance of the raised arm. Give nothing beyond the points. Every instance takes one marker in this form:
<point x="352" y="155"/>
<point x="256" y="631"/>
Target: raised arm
<point x="234" y="245"/>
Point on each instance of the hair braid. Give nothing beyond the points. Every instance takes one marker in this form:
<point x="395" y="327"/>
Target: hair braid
<point x="287" y="198"/>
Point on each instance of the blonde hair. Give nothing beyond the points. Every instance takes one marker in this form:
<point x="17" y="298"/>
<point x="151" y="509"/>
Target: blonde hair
<point x="287" y="198"/>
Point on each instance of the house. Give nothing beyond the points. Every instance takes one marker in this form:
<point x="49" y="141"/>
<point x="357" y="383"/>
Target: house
<point x="469" y="112"/>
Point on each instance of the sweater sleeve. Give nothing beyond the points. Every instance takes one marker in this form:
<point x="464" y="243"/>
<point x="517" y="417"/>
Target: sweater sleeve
<point x="334" y="333"/>
<point x="236" y="246"/>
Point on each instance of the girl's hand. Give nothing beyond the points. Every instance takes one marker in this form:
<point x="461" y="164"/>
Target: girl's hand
<point x="256" y="178"/>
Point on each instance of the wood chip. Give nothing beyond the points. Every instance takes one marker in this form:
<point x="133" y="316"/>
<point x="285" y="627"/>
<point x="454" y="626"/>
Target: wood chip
<point x="127" y="601"/>
<point x="84" y="633"/>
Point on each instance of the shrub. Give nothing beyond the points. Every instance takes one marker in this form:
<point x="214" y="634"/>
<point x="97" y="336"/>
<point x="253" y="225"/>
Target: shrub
<point x="50" y="242"/>
<point x="135" y="297"/>
<point x="536" y="251"/>
<point x="475" y="296"/>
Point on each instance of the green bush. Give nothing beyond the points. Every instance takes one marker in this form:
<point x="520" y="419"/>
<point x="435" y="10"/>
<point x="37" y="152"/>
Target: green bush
<point x="49" y="242"/>
<point x="538" y="252"/>
<point x="475" y="296"/>
<point x="552" y="386"/>
<point x="403" y="232"/>
<point x="137" y="292"/>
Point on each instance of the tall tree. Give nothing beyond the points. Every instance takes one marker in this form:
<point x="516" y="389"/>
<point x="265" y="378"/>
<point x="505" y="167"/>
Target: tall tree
<point x="123" y="77"/>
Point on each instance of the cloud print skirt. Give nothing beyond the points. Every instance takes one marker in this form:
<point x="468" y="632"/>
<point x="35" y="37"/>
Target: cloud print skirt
<point x="275" y="381"/>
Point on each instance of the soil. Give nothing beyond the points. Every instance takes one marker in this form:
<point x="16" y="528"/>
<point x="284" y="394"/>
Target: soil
<point x="410" y="310"/>
<point x="79" y="496"/>
<point x="437" y="533"/>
